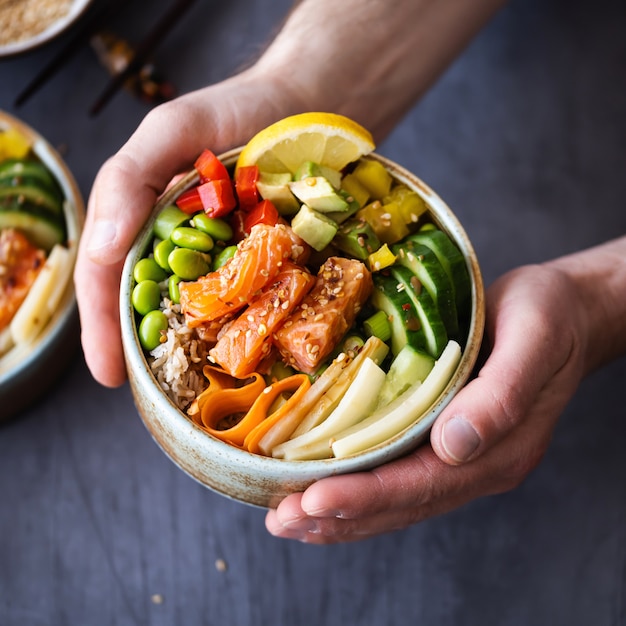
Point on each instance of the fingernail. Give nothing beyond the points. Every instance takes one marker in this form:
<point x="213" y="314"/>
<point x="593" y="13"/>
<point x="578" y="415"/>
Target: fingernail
<point x="102" y="236"/>
<point x="459" y="439"/>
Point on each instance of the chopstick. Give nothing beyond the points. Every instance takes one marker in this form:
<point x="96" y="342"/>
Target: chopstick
<point x="91" y="23"/>
<point x="143" y="51"/>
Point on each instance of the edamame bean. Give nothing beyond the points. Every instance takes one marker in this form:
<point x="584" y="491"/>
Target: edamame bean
<point x="189" y="264"/>
<point x="173" y="289"/>
<point x="161" y="251"/>
<point x="213" y="226"/>
<point x="192" y="238"/>
<point x="167" y="220"/>
<point x="151" y="329"/>
<point x="146" y="297"/>
<point x="148" y="269"/>
<point x="225" y="255"/>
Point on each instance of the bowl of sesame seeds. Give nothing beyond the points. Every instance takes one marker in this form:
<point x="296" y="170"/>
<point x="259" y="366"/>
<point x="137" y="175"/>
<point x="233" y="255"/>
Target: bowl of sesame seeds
<point x="28" y="24"/>
<point x="163" y="375"/>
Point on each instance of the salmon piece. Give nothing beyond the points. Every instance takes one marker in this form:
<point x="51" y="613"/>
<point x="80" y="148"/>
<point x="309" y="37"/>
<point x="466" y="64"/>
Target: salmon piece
<point x="20" y="263"/>
<point x="248" y="340"/>
<point x="315" y="328"/>
<point x="257" y="261"/>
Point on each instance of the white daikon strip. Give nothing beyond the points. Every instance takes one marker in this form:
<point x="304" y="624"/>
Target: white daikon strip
<point x="43" y="296"/>
<point x="356" y="403"/>
<point x="402" y="412"/>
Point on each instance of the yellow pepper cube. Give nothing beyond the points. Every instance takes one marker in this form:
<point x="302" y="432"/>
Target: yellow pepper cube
<point x="13" y="145"/>
<point x="411" y="204"/>
<point x="374" y="177"/>
<point x="382" y="258"/>
<point x="386" y="221"/>
<point x="351" y="185"/>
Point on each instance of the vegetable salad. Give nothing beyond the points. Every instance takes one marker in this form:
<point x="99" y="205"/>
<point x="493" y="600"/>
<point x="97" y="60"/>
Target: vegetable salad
<point x="333" y="309"/>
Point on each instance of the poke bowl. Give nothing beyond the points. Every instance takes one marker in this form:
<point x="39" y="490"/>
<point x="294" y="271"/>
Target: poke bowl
<point x="290" y="313"/>
<point x="41" y="219"/>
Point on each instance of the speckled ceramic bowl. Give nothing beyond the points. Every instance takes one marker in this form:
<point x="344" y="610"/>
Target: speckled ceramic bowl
<point x="260" y="480"/>
<point x="48" y="30"/>
<point x="28" y="371"/>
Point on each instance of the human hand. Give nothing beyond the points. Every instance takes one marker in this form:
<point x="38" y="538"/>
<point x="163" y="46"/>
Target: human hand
<point x="165" y="144"/>
<point x="488" y="439"/>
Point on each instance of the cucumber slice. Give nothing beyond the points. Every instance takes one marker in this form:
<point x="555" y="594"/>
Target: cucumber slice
<point x="434" y="329"/>
<point x="409" y="368"/>
<point x="403" y="412"/>
<point x="39" y="226"/>
<point x="424" y="264"/>
<point x="15" y="196"/>
<point x="37" y="172"/>
<point x="453" y="262"/>
<point x="406" y="327"/>
<point x="31" y="181"/>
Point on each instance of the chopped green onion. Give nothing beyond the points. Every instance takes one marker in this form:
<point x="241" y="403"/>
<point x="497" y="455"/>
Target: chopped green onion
<point x="378" y="326"/>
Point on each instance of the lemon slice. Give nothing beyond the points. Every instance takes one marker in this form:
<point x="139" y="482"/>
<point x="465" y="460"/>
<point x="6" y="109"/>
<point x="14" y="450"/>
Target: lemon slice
<point x="325" y="138"/>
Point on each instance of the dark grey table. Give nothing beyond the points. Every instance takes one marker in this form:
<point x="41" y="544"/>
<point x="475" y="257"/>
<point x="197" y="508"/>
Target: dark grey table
<point x="525" y="137"/>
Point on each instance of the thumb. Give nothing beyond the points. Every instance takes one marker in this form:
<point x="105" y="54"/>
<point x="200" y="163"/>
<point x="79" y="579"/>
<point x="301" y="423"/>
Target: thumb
<point x="524" y="373"/>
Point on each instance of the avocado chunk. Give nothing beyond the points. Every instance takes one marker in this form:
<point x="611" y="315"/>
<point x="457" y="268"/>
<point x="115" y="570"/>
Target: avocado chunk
<point x="310" y="169"/>
<point x="314" y="227"/>
<point x="356" y="238"/>
<point x="275" y="188"/>
<point x="319" y="194"/>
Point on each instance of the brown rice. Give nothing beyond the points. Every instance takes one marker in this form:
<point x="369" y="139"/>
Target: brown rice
<point x="177" y="362"/>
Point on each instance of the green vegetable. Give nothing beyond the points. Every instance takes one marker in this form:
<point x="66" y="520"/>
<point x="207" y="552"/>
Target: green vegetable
<point x="173" y="289"/>
<point x="146" y="297"/>
<point x="377" y="325"/>
<point x="392" y="419"/>
<point x="224" y="256"/>
<point x="37" y="196"/>
<point x="435" y="334"/>
<point x="453" y="263"/>
<point x="192" y="238"/>
<point x="151" y="328"/>
<point x="314" y="227"/>
<point x="424" y="264"/>
<point x="167" y="220"/>
<point x="42" y="229"/>
<point x="356" y="238"/>
<point x="161" y="252"/>
<point x="189" y="264"/>
<point x="148" y="269"/>
<point x="217" y="228"/>
<point x="406" y="327"/>
<point x="409" y="368"/>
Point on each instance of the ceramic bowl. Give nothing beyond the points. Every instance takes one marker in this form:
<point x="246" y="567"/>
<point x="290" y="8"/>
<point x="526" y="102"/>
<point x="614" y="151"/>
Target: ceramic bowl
<point x="259" y="480"/>
<point x="28" y="371"/>
<point x="52" y="30"/>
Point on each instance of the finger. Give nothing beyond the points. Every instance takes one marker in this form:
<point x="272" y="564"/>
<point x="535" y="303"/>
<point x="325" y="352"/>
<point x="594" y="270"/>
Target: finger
<point x="95" y="286"/>
<point x="391" y="497"/>
<point x="530" y="346"/>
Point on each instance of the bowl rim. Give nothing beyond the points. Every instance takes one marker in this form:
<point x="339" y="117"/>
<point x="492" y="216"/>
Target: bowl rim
<point x="19" y="359"/>
<point x="77" y="9"/>
<point x="394" y="447"/>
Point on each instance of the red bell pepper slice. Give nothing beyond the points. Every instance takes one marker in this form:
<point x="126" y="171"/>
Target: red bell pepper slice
<point x="210" y="167"/>
<point x="218" y="198"/>
<point x="189" y="201"/>
<point x="237" y="218"/>
<point x="245" y="184"/>
<point x="263" y="213"/>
